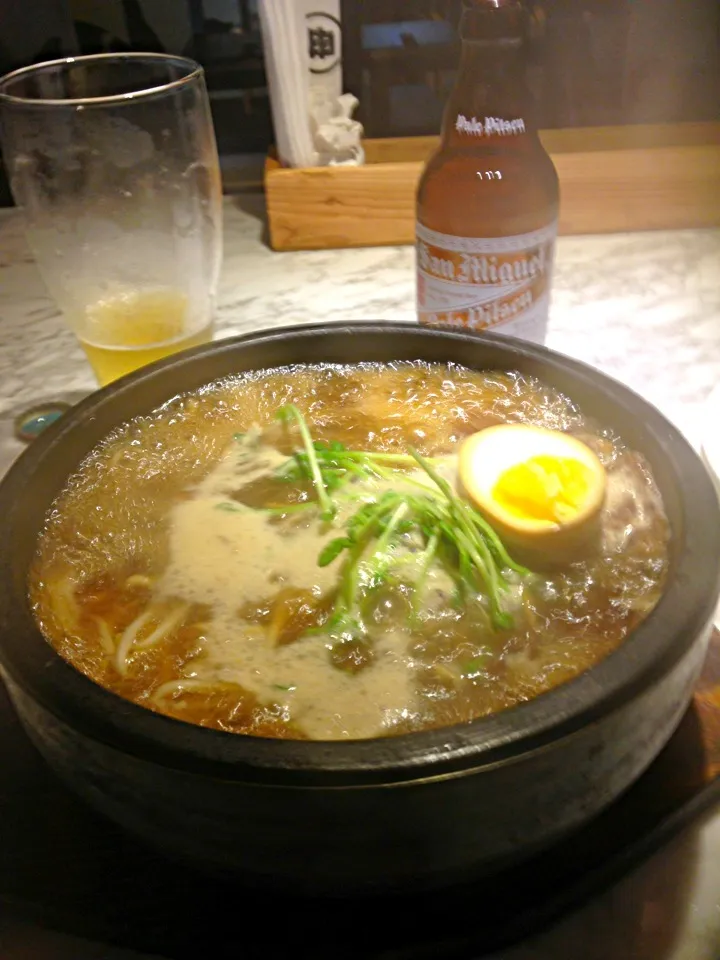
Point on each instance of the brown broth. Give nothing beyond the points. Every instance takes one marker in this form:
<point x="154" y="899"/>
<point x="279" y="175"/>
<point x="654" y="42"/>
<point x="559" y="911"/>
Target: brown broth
<point x="108" y="545"/>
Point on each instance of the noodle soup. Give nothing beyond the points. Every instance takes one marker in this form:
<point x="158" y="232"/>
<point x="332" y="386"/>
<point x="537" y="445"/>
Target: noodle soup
<point x="345" y="552"/>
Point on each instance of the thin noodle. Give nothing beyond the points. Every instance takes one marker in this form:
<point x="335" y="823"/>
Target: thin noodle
<point x="128" y="639"/>
<point x="105" y="636"/>
<point x="165" y="627"/>
<point x="66" y="608"/>
<point x="179" y="686"/>
<point x="139" y="580"/>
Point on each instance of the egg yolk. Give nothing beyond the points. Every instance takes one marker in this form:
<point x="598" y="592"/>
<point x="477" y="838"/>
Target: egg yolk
<point x="544" y="488"/>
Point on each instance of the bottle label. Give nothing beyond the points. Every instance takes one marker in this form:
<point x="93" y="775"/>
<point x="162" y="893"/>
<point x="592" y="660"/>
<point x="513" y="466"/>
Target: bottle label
<point x="489" y="126"/>
<point x="480" y="284"/>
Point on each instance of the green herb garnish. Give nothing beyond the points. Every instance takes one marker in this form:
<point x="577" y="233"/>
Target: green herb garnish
<point x="336" y="464"/>
<point x="398" y="537"/>
<point x="285" y="415"/>
<point x="476" y="666"/>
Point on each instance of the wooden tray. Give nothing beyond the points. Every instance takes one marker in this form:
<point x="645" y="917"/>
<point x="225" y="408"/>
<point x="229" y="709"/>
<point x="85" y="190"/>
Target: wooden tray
<point x="64" y="868"/>
<point x="612" y="179"/>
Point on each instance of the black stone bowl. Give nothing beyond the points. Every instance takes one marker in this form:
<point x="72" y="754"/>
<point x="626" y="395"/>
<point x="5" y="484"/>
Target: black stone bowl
<point x="417" y="810"/>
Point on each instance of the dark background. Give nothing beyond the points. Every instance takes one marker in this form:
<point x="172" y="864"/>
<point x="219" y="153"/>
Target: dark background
<point x="594" y="62"/>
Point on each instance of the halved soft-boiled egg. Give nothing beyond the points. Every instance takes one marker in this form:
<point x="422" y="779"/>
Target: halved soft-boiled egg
<point x="539" y="487"/>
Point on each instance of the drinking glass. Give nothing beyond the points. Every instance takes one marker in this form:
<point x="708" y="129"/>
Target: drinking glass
<point x="113" y="160"/>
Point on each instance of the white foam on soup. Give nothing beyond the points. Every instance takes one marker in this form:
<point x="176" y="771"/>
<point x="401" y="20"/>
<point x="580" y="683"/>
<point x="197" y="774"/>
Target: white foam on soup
<point x="226" y="554"/>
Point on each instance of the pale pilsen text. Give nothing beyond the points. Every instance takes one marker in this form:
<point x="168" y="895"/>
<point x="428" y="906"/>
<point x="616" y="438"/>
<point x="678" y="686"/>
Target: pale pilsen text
<point x="489" y="126"/>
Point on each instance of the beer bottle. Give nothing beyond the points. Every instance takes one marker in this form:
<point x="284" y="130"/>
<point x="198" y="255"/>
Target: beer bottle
<point x="488" y="199"/>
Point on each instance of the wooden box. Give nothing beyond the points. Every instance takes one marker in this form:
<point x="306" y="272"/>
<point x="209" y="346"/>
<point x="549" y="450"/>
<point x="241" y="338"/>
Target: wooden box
<point x="612" y="179"/>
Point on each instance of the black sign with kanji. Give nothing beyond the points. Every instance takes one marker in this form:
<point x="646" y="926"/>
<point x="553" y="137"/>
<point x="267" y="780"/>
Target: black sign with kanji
<point x="321" y="43"/>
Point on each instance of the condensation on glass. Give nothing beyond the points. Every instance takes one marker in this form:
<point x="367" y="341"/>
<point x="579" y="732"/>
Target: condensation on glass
<point x="113" y="161"/>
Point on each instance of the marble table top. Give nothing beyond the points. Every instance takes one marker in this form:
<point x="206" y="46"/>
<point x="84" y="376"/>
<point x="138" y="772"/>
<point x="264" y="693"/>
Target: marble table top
<point x="644" y="308"/>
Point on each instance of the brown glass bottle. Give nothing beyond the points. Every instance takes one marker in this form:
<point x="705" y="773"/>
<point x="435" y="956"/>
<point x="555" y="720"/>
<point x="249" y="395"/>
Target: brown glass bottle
<point x="488" y="199"/>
